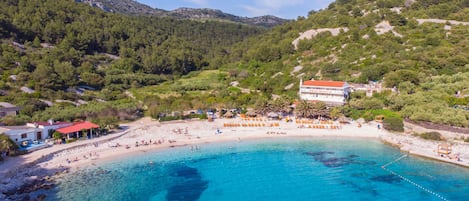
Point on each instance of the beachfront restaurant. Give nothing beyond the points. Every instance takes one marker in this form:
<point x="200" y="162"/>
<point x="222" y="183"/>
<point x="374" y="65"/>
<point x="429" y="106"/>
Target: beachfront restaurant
<point x="78" y="130"/>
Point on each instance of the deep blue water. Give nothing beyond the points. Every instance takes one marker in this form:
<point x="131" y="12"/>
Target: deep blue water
<point x="271" y="170"/>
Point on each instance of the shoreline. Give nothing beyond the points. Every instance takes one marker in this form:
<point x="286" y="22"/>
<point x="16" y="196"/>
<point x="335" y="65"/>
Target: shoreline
<point x="150" y="149"/>
<point x="29" y="170"/>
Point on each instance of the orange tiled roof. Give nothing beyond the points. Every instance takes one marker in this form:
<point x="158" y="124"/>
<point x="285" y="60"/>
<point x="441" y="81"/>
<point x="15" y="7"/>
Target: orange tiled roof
<point x="77" y="127"/>
<point x="324" y="83"/>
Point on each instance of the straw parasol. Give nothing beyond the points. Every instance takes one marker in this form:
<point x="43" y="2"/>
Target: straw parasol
<point x="251" y="114"/>
<point x="272" y="115"/>
<point x="229" y="114"/>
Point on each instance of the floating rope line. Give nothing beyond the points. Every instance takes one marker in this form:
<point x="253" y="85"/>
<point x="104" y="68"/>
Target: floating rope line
<point x="410" y="181"/>
<point x="394" y="161"/>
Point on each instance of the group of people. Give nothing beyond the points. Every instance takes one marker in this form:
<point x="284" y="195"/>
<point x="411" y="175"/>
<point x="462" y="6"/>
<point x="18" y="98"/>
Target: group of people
<point x="278" y="133"/>
<point x="145" y="143"/>
<point x="180" y="131"/>
<point x="86" y="156"/>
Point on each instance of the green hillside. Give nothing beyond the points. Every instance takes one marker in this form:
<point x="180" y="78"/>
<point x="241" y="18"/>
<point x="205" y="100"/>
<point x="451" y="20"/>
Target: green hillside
<point x="388" y="41"/>
<point x="159" y="65"/>
<point x="52" y="47"/>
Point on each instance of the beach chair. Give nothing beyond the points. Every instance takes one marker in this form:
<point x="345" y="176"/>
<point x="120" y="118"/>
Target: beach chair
<point x="444" y="149"/>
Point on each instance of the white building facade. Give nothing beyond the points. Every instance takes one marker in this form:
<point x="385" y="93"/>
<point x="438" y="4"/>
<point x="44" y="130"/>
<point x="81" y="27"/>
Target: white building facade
<point x="48" y="127"/>
<point x="330" y="92"/>
<point x="19" y="134"/>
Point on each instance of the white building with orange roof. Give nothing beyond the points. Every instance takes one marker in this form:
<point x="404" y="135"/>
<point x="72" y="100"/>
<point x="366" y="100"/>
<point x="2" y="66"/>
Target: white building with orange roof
<point x="329" y="92"/>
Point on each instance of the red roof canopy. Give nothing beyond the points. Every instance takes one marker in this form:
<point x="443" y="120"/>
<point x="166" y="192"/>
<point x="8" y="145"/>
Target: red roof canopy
<point x="86" y="125"/>
<point x="324" y="83"/>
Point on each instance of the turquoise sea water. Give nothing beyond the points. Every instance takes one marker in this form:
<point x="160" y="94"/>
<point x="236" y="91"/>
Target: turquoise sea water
<point x="275" y="169"/>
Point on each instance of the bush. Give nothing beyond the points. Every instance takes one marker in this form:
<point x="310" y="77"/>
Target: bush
<point x="71" y="140"/>
<point x="169" y="118"/>
<point x="178" y="117"/>
<point x="368" y="116"/>
<point x="352" y="112"/>
<point x="431" y="136"/>
<point x="200" y="116"/>
<point x="56" y="135"/>
<point x="15" y="120"/>
<point x="393" y="124"/>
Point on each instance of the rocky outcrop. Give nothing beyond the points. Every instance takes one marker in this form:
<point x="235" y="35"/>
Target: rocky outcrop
<point x="313" y="32"/>
<point x="384" y="27"/>
<point x="440" y="21"/>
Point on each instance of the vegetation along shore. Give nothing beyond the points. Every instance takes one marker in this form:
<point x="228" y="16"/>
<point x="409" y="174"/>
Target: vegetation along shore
<point x="85" y="84"/>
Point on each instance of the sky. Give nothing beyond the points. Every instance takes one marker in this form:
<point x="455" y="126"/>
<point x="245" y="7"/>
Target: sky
<point x="289" y="9"/>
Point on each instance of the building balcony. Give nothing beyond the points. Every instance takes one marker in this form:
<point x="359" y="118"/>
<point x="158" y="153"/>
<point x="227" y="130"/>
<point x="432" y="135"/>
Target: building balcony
<point x="326" y="92"/>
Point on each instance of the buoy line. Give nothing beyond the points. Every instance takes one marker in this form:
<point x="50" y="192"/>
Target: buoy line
<point x="410" y="181"/>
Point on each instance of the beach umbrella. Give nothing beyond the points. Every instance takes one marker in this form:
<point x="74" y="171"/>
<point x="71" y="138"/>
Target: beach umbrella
<point x="272" y="115"/>
<point x="444" y="148"/>
<point x="251" y="114"/>
<point x="229" y="114"/>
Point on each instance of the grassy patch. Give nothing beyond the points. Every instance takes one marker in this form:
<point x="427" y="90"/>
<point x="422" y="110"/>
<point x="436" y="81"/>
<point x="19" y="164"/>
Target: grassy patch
<point x="371" y="114"/>
<point x="194" y="83"/>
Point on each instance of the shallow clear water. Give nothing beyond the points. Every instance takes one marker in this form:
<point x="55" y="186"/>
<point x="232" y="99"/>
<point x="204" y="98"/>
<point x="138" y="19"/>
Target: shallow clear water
<point x="279" y="169"/>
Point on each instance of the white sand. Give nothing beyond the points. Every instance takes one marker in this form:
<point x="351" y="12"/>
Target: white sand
<point x="18" y="170"/>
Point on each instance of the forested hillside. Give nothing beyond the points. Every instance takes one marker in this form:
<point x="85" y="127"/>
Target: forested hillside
<point x="162" y="65"/>
<point x="402" y="43"/>
<point x="54" y="46"/>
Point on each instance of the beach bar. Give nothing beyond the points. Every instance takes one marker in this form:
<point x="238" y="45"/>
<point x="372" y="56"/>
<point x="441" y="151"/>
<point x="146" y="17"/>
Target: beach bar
<point x="78" y="129"/>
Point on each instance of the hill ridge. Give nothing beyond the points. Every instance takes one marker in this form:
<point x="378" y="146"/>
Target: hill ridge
<point x="131" y="7"/>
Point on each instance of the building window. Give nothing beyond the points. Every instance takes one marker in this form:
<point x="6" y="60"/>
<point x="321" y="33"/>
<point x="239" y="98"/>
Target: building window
<point x="24" y="135"/>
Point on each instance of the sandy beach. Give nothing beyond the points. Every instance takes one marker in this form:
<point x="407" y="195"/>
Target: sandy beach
<point x="27" y="173"/>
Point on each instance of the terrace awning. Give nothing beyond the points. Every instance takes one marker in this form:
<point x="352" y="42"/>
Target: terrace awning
<point x="77" y="127"/>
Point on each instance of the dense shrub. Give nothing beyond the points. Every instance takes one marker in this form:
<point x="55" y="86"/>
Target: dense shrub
<point x="178" y="117"/>
<point x="6" y="143"/>
<point x="431" y="136"/>
<point x="15" y="120"/>
<point x="393" y="124"/>
<point x="368" y="116"/>
<point x="71" y="140"/>
<point x="170" y="118"/>
<point x="200" y="116"/>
